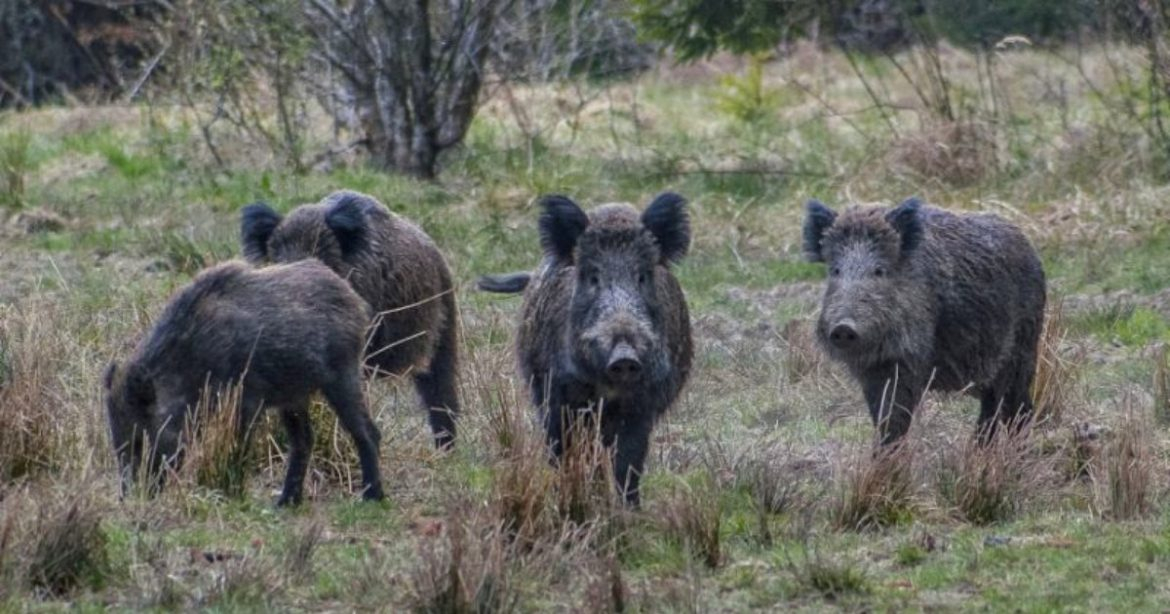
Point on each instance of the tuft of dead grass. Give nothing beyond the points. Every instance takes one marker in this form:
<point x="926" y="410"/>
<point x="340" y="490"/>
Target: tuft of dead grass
<point x="803" y="357"/>
<point x="31" y="437"/>
<point x="1058" y="370"/>
<point x="985" y="482"/>
<point x="215" y="452"/>
<point x="959" y="153"/>
<point x="875" y="490"/>
<point x="1128" y="483"/>
<point x="52" y="541"/>
<point x="692" y="514"/>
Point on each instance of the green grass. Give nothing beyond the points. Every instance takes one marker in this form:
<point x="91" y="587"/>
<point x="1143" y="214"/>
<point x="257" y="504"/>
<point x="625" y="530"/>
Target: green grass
<point x="146" y="209"/>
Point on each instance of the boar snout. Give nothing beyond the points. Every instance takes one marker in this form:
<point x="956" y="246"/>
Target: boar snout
<point x="843" y="334"/>
<point x="624" y="365"/>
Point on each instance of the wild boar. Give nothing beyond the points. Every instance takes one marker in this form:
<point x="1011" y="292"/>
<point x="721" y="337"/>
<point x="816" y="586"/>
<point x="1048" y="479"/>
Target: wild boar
<point x="396" y="268"/>
<point x="604" y="326"/>
<point x="280" y="333"/>
<point x="920" y="297"/>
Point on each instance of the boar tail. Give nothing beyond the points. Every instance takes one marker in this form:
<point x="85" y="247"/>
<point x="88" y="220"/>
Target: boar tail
<point x="508" y="283"/>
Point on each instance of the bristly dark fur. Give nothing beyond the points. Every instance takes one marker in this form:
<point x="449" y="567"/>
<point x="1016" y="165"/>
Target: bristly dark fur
<point x="666" y="218"/>
<point x="401" y="273"/>
<point x="920" y="297"/>
<point x="257" y="221"/>
<point x="819" y="219"/>
<point x="604" y="295"/>
<point x="280" y="333"/>
<point x="561" y="223"/>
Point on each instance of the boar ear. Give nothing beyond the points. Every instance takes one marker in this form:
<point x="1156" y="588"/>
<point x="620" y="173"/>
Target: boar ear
<point x="257" y="221"/>
<point x="905" y="219"/>
<point x="139" y="386"/>
<point x="561" y="225"/>
<point x="817" y="220"/>
<point x="347" y="219"/>
<point x="666" y="218"/>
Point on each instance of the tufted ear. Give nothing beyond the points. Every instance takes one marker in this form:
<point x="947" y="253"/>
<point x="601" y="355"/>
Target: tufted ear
<point x="905" y="219"/>
<point x="347" y="219"/>
<point x="561" y="224"/>
<point x="257" y="221"/>
<point x="817" y="220"/>
<point x="666" y="218"/>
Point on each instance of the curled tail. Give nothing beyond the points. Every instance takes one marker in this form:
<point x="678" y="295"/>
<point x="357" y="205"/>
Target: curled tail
<point x="508" y="283"/>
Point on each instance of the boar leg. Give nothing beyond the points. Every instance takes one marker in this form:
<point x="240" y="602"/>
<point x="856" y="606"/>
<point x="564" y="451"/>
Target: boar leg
<point x="300" y="436"/>
<point x="632" y="435"/>
<point x="345" y="395"/>
<point x="892" y="394"/>
<point x="437" y="389"/>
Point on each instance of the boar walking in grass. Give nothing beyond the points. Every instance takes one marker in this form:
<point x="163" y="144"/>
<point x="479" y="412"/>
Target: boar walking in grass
<point x="920" y="298"/>
<point x="396" y="268"/>
<point x="280" y="333"/>
<point x="604" y="326"/>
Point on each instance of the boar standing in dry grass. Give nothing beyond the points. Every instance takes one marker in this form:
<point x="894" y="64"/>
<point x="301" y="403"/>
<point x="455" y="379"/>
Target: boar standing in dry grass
<point x="281" y="333"/>
<point x="919" y="297"/>
<point x="396" y="268"/>
<point x="604" y="323"/>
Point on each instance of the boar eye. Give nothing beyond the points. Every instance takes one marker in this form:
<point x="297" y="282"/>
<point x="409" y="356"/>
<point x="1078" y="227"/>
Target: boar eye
<point x="641" y="278"/>
<point x="594" y="280"/>
<point x="879" y="272"/>
<point x="835" y="271"/>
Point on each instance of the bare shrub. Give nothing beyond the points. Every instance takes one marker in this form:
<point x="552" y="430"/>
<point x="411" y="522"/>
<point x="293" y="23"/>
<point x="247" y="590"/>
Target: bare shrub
<point x="1128" y="465"/>
<point x="1058" y="370"/>
<point x="985" y="482"/>
<point x="959" y="153"/>
<point x="30" y="360"/>
<point x="692" y="515"/>
<point x="875" y="490"/>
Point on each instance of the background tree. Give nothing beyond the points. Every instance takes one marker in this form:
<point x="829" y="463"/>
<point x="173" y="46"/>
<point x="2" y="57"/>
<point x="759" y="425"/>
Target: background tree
<point x="412" y="69"/>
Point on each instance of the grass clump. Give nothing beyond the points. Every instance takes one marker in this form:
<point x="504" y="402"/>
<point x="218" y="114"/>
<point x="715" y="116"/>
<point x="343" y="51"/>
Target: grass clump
<point x="875" y="490"/>
<point x="1128" y="462"/>
<point x="15" y="165"/>
<point x="986" y="482"/>
<point x="692" y="514"/>
<point x="30" y="361"/>
<point x="67" y="547"/>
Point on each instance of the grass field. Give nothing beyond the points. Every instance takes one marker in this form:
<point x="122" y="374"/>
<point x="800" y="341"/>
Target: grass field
<point x="761" y="492"/>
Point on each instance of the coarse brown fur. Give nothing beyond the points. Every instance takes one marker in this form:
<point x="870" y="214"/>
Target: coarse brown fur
<point x="395" y="267"/>
<point x="920" y="297"/>
<point x="605" y="323"/>
<point x="281" y="333"/>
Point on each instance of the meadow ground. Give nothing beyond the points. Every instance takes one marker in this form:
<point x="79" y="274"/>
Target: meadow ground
<point x="761" y="493"/>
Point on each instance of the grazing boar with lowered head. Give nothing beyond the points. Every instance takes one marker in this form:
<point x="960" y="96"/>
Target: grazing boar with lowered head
<point x="279" y="333"/>
<point x="396" y="268"/>
<point x="920" y="297"/>
<point x="604" y="326"/>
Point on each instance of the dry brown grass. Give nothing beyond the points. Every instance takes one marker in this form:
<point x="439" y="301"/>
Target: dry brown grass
<point x="214" y="454"/>
<point x="1058" y="370"/>
<point x="52" y="540"/>
<point x="958" y="153"/>
<point x="803" y="357"/>
<point x="692" y="514"/>
<point x="31" y="430"/>
<point x="875" y="489"/>
<point x="985" y="482"/>
<point x="1127" y="471"/>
